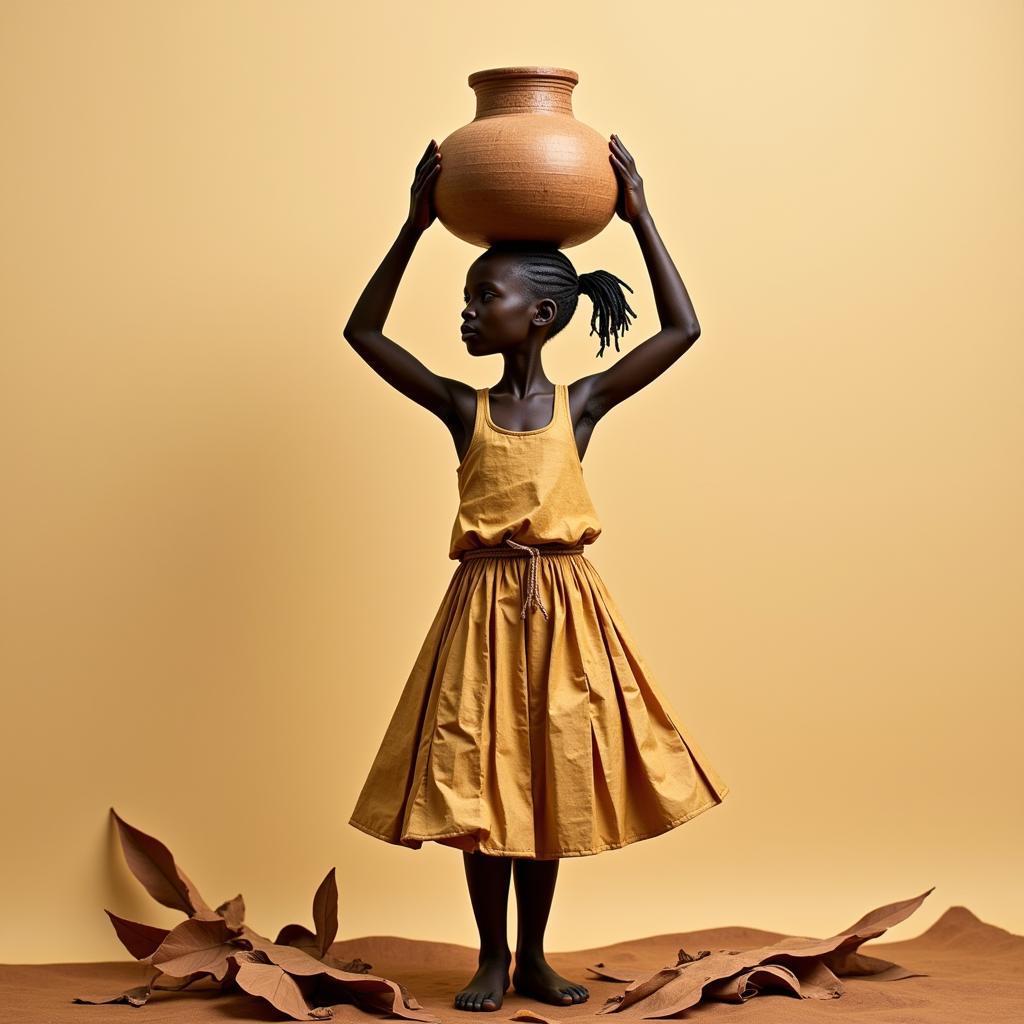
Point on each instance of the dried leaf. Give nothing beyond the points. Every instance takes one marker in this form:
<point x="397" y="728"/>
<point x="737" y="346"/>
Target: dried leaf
<point x="194" y="946"/>
<point x="137" y="996"/>
<point x="740" y="987"/>
<point x="141" y="940"/>
<point x="614" y="973"/>
<point x="152" y="864"/>
<point x="300" y="937"/>
<point x="233" y="911"/>
<point x="268" y="981"/>
<point x="378" y="993"/>
<point x="325" y="911"/>
<point x="325" y="920"/>
<point x="527" y="1014"/>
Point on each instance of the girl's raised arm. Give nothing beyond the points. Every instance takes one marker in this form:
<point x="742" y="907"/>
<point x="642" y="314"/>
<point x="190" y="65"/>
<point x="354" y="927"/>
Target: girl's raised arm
<point x="451" y="400"/>
<point x="599" y="392"/>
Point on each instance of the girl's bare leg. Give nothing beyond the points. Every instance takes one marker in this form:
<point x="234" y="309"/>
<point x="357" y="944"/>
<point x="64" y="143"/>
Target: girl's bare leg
<point x="533" y="976"/>
<point x="488" y="879"/>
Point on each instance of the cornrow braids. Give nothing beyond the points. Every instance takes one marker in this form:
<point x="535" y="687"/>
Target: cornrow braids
<point x="548" y="274"/>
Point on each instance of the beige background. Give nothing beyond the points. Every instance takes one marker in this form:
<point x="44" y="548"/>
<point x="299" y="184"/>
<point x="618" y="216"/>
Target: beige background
<point x="224" y="537"/>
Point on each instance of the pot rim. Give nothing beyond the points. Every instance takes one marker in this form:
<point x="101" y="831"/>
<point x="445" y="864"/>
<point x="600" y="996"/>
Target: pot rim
<point x="524" y="71"/>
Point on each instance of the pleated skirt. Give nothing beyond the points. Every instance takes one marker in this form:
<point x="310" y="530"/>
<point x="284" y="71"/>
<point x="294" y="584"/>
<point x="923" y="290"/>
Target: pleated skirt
<point x="539" y="738"/>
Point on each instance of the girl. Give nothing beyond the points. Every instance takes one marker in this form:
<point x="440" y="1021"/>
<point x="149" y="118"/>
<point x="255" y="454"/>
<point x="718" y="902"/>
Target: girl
<point x="530" y="728"/>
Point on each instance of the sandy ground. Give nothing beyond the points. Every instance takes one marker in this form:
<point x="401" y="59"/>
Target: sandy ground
<point x="975" y="973"/>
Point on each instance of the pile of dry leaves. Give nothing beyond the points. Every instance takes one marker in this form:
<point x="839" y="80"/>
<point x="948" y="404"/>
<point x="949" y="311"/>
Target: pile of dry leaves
<point x="295" y="973"/>
<point x="794" y="965"/>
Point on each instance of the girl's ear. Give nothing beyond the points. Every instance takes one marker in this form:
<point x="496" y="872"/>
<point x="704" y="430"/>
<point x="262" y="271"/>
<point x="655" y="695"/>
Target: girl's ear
<point x="547" y="310"/>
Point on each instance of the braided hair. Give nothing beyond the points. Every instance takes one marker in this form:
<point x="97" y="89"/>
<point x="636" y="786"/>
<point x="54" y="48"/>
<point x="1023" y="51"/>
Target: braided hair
<point x="548" y="274"/>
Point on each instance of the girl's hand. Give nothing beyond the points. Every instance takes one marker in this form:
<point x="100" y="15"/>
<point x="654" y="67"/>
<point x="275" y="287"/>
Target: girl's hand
<point x="631" y="203"/>
<point x="421" y="203"/>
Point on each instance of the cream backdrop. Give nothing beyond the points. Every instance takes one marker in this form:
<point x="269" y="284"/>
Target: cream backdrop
<point x="224" y="536"/>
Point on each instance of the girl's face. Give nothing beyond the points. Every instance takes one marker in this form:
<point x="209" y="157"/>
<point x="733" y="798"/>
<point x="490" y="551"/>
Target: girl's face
<point x="499" y="314"/>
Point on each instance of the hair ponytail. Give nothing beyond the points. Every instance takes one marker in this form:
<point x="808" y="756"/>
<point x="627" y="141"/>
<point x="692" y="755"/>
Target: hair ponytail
<point x="611" y="310"/>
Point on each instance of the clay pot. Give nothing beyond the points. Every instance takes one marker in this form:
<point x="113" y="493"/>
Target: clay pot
<point x="524" y="168"/>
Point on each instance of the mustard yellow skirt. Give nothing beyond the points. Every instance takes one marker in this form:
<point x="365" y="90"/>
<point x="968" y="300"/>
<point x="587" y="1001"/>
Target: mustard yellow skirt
<point x="542" y="736"/>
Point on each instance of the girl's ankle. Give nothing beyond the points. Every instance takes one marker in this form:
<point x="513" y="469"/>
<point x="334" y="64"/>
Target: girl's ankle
<point x="530" y="956"/>
<point x="495" y="956"/>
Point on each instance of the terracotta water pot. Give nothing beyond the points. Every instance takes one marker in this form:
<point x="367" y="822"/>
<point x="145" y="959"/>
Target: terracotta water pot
<point x="524" y="168"/>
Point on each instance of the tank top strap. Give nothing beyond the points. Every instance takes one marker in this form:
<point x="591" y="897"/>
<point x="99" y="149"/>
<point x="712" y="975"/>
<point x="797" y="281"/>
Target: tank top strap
<point x="478" y="421"/>
<point x="563" y="401"/>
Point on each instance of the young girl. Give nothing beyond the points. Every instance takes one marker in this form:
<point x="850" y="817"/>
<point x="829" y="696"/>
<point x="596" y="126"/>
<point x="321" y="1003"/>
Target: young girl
<point x="530" y="727"/>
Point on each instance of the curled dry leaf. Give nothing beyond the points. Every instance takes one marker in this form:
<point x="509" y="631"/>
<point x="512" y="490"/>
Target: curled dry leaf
<point x="152" y="864"/>
<point x="137" y="996"/>
<point x="527" y="1014"/>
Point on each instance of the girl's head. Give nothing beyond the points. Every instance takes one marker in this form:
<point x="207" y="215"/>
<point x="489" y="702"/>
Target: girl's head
<point x="516" y="291"/>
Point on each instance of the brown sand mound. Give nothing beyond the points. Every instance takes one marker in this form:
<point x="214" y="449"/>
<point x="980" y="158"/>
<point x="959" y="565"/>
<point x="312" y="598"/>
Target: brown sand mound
<point x="965" y="971"/>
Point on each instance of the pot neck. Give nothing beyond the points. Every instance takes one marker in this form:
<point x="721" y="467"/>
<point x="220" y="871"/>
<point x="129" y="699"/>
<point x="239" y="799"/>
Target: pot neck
<point x="523" y="91"/>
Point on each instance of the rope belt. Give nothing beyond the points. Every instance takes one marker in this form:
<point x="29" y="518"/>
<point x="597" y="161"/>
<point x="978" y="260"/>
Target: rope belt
<point x="521" y="551"/>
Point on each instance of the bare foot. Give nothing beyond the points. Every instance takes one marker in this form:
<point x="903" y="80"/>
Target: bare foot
<point x="534" y="977"/>
<point x="486" y="989"/>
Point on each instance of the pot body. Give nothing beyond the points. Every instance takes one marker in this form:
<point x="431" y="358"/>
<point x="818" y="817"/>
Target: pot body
<point x="524" y="169"/>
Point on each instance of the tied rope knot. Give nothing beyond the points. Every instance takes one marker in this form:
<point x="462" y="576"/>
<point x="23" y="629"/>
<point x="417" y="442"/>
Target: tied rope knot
<point x="532" y="594"/>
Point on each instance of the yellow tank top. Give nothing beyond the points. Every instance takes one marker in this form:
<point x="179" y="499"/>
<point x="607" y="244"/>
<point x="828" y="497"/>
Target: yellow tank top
<point x="526" y="485"/>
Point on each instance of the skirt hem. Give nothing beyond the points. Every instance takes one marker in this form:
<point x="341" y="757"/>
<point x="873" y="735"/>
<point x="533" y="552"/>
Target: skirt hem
<point x="491" y="851"/>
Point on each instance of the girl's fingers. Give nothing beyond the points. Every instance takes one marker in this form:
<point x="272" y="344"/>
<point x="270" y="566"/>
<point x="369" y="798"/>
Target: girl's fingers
<point x="620" y="146"/>
<point x="424" y="176"/>
<point x="426" y="153"/>
<point x="622" y="152"/>
<point x="428" y="164"/>
<point x="617" y="161"/>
